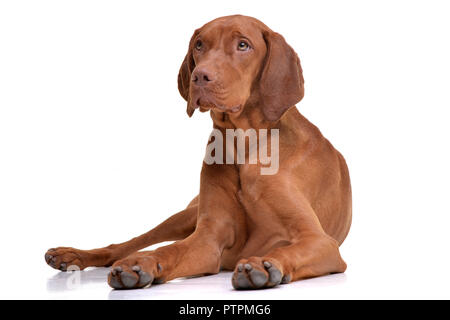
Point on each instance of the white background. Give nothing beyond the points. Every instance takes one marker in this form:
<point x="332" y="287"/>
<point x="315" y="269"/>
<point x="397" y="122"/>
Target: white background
<point x="96" y="147"/>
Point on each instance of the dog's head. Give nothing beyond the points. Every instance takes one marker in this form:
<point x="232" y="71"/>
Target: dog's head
<point x="236" y="60"/>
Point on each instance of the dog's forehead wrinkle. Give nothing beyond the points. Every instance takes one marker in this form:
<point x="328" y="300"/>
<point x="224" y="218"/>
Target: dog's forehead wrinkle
<point x="233" y="26"/>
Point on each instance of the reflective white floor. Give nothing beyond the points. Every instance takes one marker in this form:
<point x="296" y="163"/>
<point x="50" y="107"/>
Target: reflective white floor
<point x="46" y="283"/>
<point x="91" y="284"/>
<point x="381" y="270"/>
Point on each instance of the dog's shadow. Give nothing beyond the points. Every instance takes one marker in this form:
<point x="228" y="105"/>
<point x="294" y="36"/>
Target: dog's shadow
<point x="63" y="281"/>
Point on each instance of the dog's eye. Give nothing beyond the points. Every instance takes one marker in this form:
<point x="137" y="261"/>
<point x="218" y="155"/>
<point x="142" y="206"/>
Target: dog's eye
<point x="243" y="46"/>
<point x="198" y="45"/>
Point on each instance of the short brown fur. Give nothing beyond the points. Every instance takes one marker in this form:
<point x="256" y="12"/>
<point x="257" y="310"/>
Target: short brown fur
<point x="269" y="229"/>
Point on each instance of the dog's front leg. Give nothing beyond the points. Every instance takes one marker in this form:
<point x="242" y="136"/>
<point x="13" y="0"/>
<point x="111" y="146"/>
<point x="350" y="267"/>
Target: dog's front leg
<point x="307" y="252"/>
<point x="177" y="227"/>
<point x="200" y="253"/>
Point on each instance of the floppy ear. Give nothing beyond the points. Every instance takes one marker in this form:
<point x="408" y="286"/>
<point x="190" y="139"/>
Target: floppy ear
<point x="281" y="82"/>
<point x="184" y="75"/>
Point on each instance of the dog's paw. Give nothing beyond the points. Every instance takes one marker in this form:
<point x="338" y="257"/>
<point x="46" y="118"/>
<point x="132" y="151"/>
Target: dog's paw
<point x="135" y="272"/>
<point x="257" y="273"/>
<point x="63" y="258"/>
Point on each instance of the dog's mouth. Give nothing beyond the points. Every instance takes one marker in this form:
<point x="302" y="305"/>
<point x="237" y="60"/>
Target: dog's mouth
<point x="205" y="104"/>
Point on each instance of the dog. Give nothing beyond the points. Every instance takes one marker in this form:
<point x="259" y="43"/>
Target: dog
<point x="269" y="229"/>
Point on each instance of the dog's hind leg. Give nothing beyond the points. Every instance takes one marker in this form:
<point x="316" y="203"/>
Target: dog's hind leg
<point x="178" y="226"/>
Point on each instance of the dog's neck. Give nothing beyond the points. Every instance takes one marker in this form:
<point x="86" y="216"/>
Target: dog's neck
<point x="250" y="117"/>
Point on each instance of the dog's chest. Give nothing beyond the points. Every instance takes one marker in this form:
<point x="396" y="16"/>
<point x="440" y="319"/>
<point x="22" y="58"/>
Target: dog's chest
<point x="251" y="182"/>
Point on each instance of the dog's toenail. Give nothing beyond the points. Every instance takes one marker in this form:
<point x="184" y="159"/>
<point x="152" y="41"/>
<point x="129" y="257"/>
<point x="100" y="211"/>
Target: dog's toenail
<point x="62" y="266"/>
<point x="118" y="269"/>
<point x="267" y="264"/>
<point x="240" y="267"/>
<point x="136" y="268"/>
<point x="159" y="267"/>
<point x="248" y="267"/>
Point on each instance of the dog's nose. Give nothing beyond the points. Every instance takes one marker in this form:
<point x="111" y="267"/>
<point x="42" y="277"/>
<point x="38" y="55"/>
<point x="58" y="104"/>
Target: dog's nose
<point x="202" y="77"/>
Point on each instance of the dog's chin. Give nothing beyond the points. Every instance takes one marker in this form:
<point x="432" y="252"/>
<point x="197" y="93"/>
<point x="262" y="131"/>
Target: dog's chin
<point x="205" y="104"/>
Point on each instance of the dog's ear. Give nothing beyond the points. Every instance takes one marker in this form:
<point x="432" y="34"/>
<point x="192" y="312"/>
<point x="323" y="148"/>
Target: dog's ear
<point x="281" y="82"/>
<point x="184" y="75"/>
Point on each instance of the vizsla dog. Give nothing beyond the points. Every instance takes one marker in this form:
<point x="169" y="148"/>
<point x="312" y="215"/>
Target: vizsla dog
<point x="270" y="229"/>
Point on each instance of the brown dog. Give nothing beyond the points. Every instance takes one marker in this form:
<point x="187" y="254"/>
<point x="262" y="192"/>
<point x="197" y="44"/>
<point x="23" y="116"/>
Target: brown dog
<point x="269" y="229"/>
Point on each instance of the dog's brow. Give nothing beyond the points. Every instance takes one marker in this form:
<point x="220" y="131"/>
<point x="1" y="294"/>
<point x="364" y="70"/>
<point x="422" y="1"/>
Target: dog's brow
<point x="239" y="34"/>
